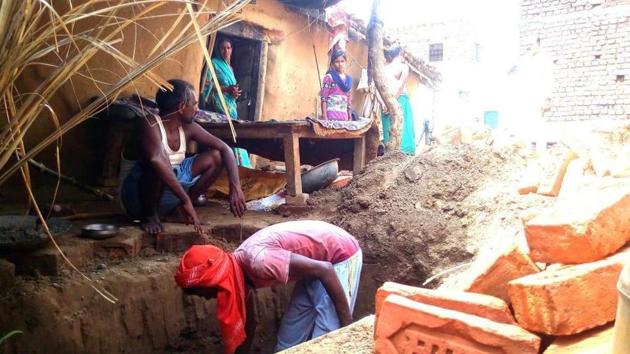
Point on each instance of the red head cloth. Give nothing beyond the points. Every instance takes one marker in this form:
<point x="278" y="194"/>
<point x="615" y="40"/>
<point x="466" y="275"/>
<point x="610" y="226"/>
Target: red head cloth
<point x="209" y="266"/>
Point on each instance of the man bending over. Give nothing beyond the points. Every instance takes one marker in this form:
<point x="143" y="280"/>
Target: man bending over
<point x="163" y="181"/>
<point x="324" y="259"/>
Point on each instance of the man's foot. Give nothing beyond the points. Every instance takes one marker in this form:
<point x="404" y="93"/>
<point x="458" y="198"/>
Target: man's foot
<point x="152" y="225"/>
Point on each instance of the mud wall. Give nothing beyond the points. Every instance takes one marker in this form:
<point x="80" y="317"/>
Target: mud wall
<point x="64" y="315"/>
<point x="79" y="153"/>
<point x="292" y="80"/>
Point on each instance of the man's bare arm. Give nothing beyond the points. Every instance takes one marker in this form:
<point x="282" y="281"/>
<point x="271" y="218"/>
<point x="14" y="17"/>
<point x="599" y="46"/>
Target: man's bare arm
<point x="201" y="136"/>
<point x="153" y="153"/>
<point x="301" y="267"/>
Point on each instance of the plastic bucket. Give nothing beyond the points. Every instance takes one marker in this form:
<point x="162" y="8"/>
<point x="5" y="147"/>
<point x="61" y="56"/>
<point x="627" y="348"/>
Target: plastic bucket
<point x="622" y="322"/>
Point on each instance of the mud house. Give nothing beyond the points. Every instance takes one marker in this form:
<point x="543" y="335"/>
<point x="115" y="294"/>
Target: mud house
<point x="280" y="55"/>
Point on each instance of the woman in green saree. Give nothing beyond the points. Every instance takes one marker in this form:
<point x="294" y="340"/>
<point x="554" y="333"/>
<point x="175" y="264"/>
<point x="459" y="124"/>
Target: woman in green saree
<point x="230" y="89"/>
<point x="397" y="72"/>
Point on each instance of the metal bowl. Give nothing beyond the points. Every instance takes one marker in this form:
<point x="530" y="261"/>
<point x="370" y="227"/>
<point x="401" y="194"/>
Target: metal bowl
<point x="99" y="231"/>
<point x="320" y="176"/>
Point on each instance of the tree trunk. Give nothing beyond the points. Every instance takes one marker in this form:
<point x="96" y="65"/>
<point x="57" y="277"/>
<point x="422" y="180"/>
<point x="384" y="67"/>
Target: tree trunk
<point x="376" y="70"/>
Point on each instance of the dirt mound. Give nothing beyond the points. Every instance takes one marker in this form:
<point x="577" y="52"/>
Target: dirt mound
<point x="415" y="216"/>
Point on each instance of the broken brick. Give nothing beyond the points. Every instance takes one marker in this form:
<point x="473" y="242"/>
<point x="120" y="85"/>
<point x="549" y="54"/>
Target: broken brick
<point x="178" y="242"/>
<point x="530" y="180"/>
<point x="127" y="244"/>
<point x="407" y="326"/>
<point x="480" y="305"/>
<point x="573" y="178"/>
<point x="7" y="274"/>
<point x="595" y="341"/>
<point x="340" y="182"/>
<point x="585" y="228"/>
<point x="48" y="261"/>
<point x="553" y="171"/>
<point x="491" y="276"/>
<point x="570" y="299"/>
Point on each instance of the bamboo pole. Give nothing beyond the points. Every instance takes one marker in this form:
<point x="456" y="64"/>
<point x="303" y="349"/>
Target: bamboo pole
<point x="71" y="180"/>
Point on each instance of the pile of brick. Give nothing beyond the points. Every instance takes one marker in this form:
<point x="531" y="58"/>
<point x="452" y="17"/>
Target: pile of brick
<point x="585" y="151"/>
<point x="561" y="289"/>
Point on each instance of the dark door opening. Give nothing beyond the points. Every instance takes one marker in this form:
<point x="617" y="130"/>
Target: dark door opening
<point x="245" y="62"/>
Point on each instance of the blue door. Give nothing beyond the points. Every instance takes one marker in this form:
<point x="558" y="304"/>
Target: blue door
<point x="491" y="119"/>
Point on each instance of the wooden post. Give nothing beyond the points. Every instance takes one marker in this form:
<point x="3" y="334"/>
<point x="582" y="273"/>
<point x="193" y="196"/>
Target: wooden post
<point x="358" y="155"/>
<point x="262" y="73"/>
<point x="376" y="69"/>
<point x="292" y="164"/>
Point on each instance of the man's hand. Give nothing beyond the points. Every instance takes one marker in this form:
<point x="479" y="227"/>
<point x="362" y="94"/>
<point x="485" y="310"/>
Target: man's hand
<point x="301" y="267"/>
<point x="237" y="201"/>
<point x="191" y="216"/>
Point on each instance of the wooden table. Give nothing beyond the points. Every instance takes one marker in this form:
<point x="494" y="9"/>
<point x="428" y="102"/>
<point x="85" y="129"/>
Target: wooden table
<point x="281" y="141"/>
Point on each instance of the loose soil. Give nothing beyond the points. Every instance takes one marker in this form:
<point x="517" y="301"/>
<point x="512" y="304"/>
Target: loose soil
<point x="417" y="216"/>
<point x="356" y="338"/>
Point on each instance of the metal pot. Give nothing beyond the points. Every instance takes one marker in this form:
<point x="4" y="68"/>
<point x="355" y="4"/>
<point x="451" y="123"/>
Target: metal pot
<point x="320" y="176"/>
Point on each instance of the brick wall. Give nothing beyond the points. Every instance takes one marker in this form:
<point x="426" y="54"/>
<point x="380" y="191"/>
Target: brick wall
<point x="453" y="102"/>
<point x="457" y="37"/>
<point x="589" y="44"/>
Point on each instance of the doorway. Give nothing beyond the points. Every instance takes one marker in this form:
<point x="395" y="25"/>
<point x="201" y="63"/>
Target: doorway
<point x="246" y="63"/>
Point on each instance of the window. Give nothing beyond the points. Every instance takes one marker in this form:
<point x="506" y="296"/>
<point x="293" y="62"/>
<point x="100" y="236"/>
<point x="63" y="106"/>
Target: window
<point x="436" y="52"/>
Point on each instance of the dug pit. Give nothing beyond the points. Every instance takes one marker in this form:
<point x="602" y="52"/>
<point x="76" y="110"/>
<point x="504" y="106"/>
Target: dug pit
<point x="413" y="216"/>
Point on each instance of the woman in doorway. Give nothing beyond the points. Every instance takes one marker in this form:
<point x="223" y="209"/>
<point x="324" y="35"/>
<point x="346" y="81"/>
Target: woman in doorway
<point x="221" y="62"/>
<point x="336" y="86"/>
<point x="397" y="72"/>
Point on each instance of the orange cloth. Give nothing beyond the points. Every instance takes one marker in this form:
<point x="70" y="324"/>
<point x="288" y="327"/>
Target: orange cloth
<point x="209" y="266"/>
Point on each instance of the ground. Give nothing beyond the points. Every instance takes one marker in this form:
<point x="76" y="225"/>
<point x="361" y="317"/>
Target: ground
<point x="418" y="216"/>
<point x="413" y="217"/>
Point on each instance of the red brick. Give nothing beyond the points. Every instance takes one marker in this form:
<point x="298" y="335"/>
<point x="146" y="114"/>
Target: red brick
<point x="125" y="245"/>
<point x="7" y="274"/>
<point x="595" y="341"/>
<point x="491" y="276"/>
<point x="585" y="228"/>
<point x="480" y="305"/>
<point x="553" y="171"/>
<point x="340" y="182"/>
<point x="406" y="326"/>
<point x="568" y="300"/>
<point x="48" y="261"/>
